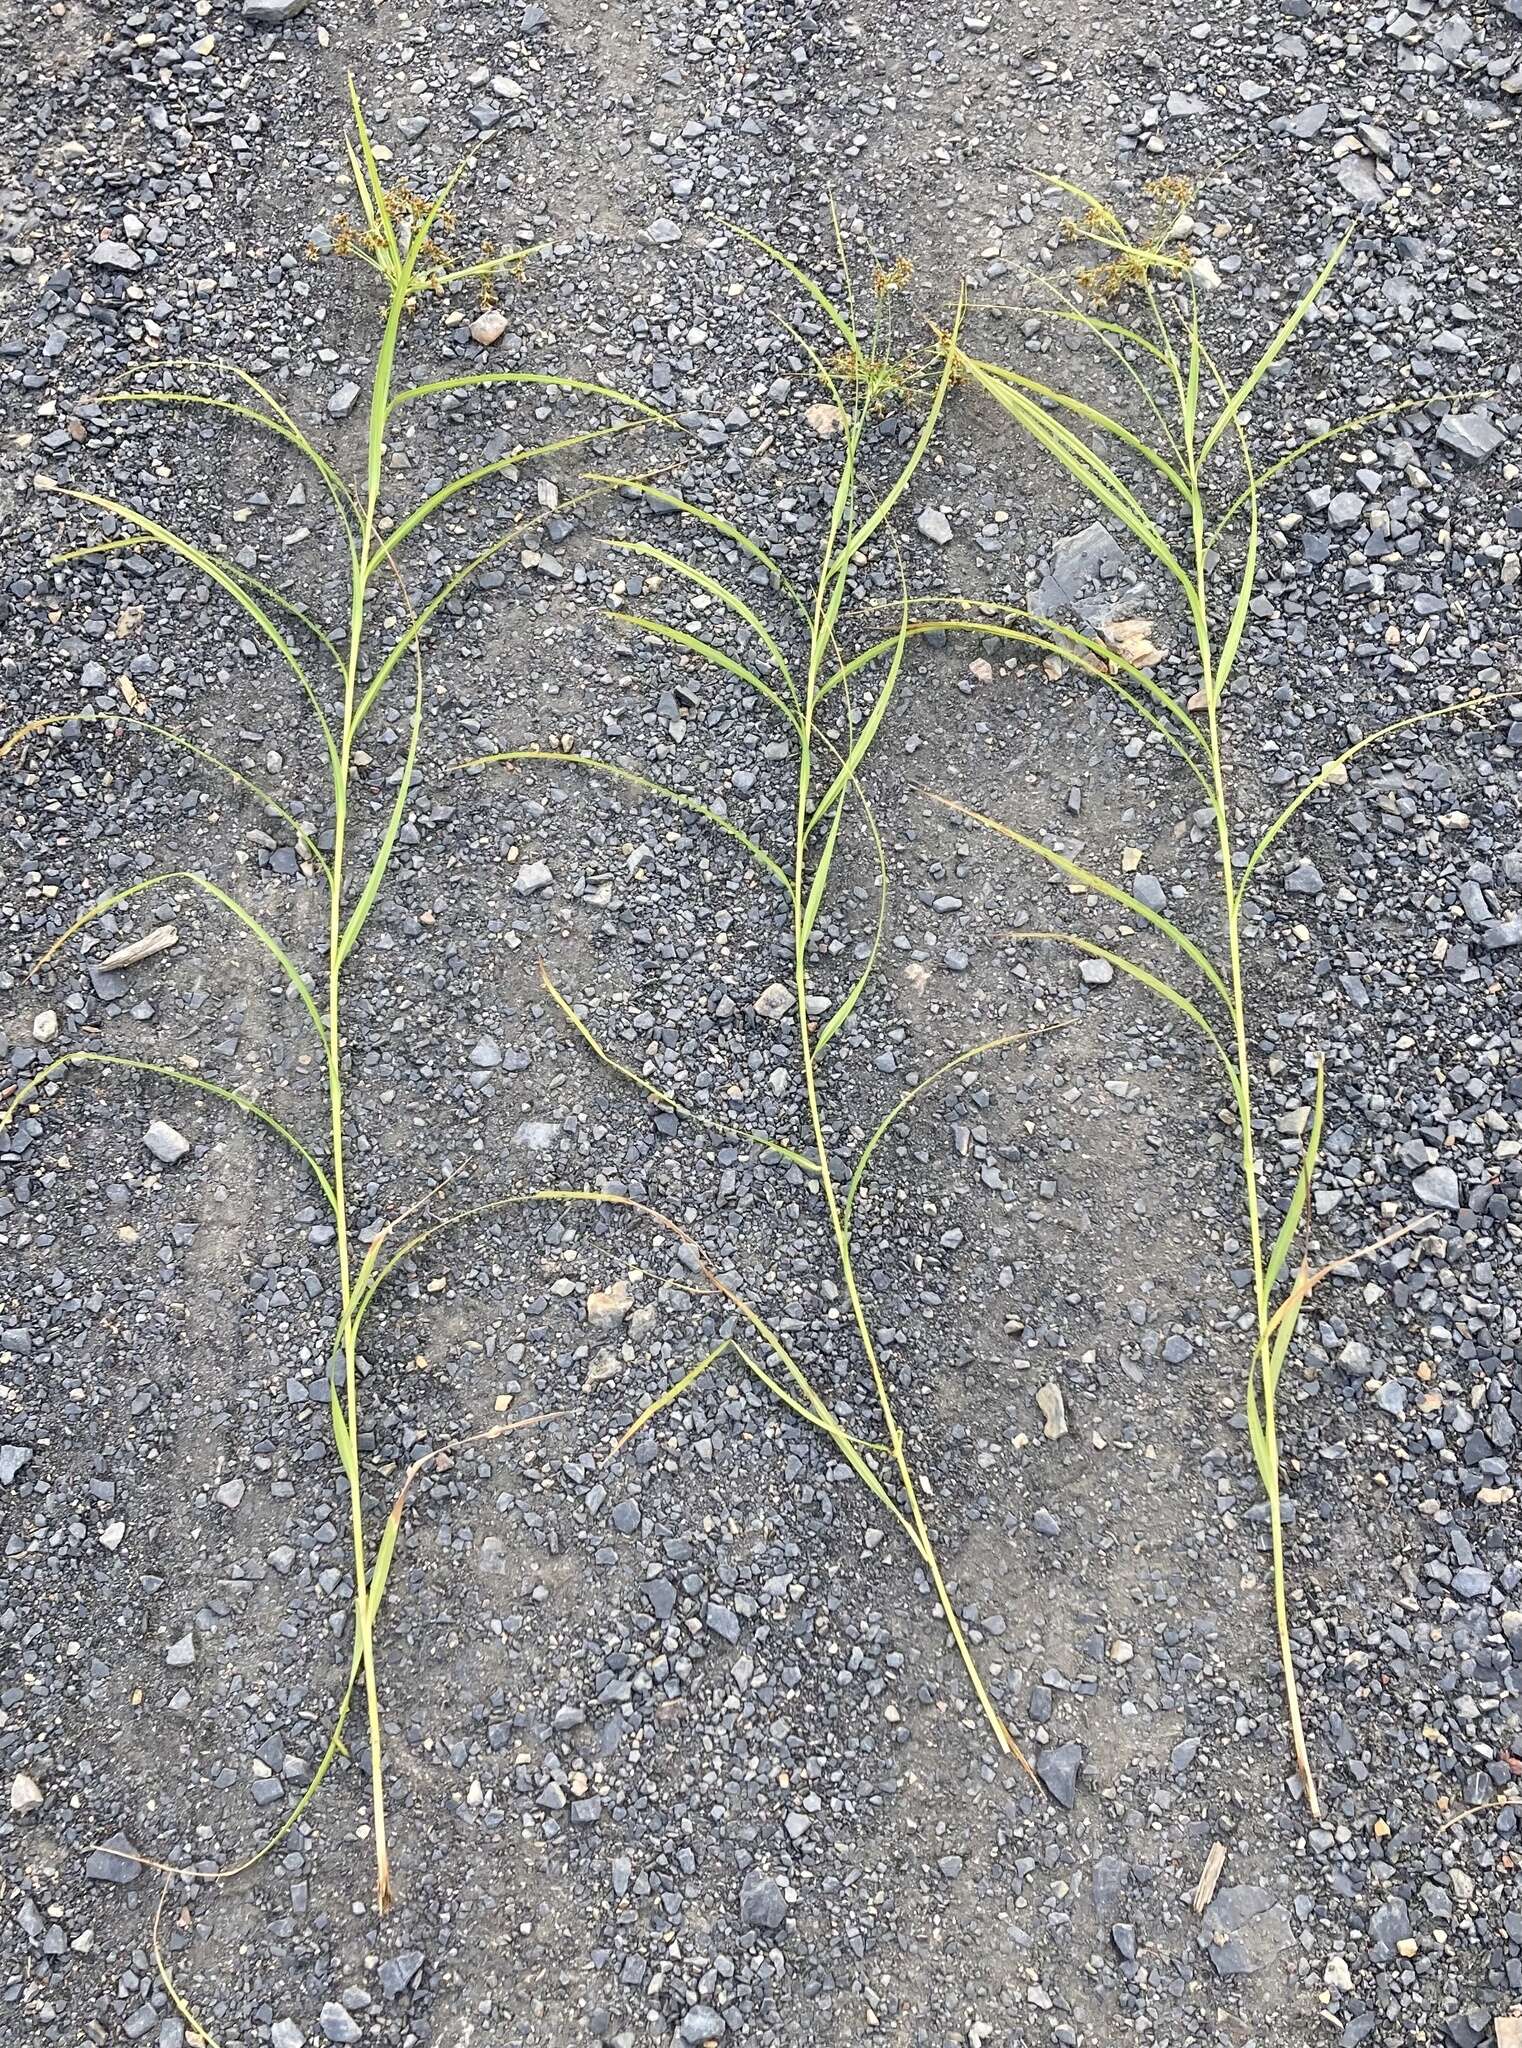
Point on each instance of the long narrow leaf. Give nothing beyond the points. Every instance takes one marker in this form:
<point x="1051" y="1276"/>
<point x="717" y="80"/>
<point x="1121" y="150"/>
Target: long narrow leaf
<point x="664" y="1400"/>
<point x="1191" y="405"/>
<point x="1046" y="636"/>
<point x="815" y="1411"/>
<point x="545" y="380"/>
<point x="1093" y="416"/>
<point x="403" y="645"/>
<point x="1148" y="980"/>
<point x="1330" y="770"/>
<point x="213" y="571"/>
<point x="1089" y="469"/>
<point x="372" y="190"/>
<point x="430" y="506"/>
<point x="245" y="917"/>
<point x="34" y="1083"/>
<point x="659" y="494"/>
<point x="841" y="1016"/>
<point x="907" y="1100"/>
<point x="720" y="1125"/>
<point x="1131" y="904"/>
<point x="705" y="650"/>
<point x="673" y="796"/>
<point x="867" y="733"/>
<point x="1110" y="334"/>
<point x="821" y="879"/>
<point x="829" y="592"/>
<point x="254" y="584"/>
<point x="359" y="915"/>
<point x="1284" y="462"/>
<point x="712" y="587"/>
<point x="54" y="719"/>
<point x="826" y="305"/>
<point x="341" y="1437"/>
<point x="1218" y="675"/>
<point x="1178" y="732"/>
<point x="419" y="622"/>
<point x="1284" y="1241"/>
<point x="882" y="510"/>
<point x="1275" y="349"/>
<point x="282" y="426"/>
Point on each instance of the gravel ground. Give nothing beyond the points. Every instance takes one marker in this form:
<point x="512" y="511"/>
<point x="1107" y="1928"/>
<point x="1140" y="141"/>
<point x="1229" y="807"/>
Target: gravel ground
<point x="677" y="1750"/>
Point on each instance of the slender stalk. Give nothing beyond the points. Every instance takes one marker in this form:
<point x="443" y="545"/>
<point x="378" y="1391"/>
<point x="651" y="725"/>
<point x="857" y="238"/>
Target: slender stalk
<point x="842" y="1242"/>
<point x="1175" y="476"/>
<point x="380" y="395"/>
<point x="1212" y="673"/>
<point x="1237" y="1008"/>
<point x="866" y="377"/>
<point x="398" y="244"/>
<point x="833" y="570"/>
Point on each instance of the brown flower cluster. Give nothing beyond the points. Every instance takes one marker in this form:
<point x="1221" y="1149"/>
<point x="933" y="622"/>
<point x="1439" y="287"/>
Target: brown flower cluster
<point x="1131" y="263"/>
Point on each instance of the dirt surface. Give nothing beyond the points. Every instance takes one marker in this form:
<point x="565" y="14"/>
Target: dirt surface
<point x="676" y="1746"/>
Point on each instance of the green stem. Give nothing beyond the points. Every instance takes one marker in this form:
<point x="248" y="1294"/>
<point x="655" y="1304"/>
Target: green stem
<point x="380" y="396"/>
<point x="820" y="640"/>
<point x="1237" y="1006"/>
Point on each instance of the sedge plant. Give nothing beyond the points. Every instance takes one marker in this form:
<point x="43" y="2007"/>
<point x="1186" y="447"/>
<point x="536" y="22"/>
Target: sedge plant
<point x="346" y="671"/>
<point x="1169" y="486"/>
<point x="828" y="708"/>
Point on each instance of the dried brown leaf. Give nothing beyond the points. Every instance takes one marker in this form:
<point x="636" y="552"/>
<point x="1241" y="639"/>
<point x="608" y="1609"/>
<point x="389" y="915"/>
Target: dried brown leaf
<point x="1132" y="640"/>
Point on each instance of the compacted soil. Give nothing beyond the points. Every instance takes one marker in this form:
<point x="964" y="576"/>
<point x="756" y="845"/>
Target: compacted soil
<point x="677" y="1750"/>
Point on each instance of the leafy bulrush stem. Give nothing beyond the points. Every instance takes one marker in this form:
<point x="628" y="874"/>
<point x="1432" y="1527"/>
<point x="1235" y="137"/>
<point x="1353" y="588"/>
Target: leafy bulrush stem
<point x="839" y="1229"/>
<point x="380" y="403"/>
<point x="396" y="244"/>
<point x="1262" y="1303"/>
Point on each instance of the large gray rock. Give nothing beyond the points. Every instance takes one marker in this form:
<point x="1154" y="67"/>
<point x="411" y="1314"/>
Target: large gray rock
<point x="1474" y="435"/>
<point x="1359" y="178"/>
<point x="1438" y="1188"/>
<point x="1084" y="567"/>
<point x="115" y="256"/>
<point x="761" y="1902"/>
<point x="1057" y="1768"/>
<point x="114" y="1862"/>
<point x="1245" y="1928"/>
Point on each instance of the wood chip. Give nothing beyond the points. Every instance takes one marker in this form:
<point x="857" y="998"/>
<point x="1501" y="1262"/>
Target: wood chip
<point x="26" y="1794"/>
<point x="1210" y="1876"/>
<point x="159" y="940"/>
<point x="1054" y="1414"/>
<point x="609" y="1306"/>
